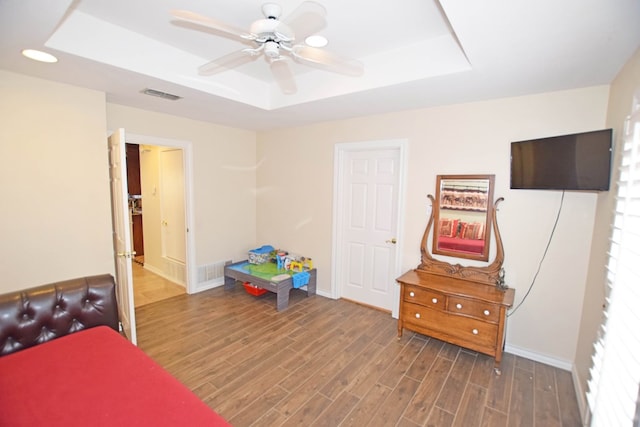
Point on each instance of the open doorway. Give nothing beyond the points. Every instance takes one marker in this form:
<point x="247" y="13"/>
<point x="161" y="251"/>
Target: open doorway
<point x="157" y="210"/>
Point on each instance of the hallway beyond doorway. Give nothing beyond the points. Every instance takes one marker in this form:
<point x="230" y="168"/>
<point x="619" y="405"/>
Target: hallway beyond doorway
<point x="148" y="287"/>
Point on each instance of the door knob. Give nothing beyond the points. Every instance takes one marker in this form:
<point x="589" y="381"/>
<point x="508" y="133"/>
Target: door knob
<point x="393" y="240"/>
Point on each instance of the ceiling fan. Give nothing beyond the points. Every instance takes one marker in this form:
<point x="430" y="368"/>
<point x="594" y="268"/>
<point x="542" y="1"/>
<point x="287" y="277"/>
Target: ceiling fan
<point x="277" y="41"/>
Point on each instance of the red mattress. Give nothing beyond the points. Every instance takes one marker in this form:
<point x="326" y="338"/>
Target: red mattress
<point x="94" y="378"/>
<point x="460" y="245"/>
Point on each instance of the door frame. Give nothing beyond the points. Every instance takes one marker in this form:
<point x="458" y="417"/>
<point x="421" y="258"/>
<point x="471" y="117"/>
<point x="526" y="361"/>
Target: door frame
<point x="187" y="150"/>
<point x="340" y="155"/>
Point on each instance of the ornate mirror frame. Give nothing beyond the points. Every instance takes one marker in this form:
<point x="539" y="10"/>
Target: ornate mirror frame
<point x="489" y="275"/>
<point x="462" y="215"/>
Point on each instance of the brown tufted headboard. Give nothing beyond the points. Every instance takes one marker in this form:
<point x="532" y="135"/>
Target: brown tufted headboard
<point x="36" y="315"/>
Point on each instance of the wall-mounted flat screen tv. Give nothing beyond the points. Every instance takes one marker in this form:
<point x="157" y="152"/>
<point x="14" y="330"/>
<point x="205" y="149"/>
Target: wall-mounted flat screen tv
<point x="580" y="161"/>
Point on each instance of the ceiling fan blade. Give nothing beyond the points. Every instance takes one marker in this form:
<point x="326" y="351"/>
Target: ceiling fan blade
<point x="194" y="18"/>
<point x="328" y="61"/>
<point x="306" y="19"/>
<point x="226" y="62"/>
<point x="284" y="77"/>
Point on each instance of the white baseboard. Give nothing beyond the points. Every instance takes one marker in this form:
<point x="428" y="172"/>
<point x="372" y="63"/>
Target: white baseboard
<point x="324" y="294"/>
<point x="563" y="364"/>
<point x="161" y="273"/>
<point x="220" y="282"/>
<point x="211" y="284"/>
<point x="581" y="396"/>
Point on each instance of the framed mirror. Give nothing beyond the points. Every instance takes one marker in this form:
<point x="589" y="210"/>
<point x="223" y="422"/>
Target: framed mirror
<point x="462" y="216"/>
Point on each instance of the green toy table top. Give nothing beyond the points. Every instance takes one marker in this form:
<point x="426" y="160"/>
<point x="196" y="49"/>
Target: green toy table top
<point x="267" y="270"/>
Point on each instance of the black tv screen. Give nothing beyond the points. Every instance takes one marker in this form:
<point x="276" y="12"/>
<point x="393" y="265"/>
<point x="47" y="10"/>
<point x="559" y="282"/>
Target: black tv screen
<point x="580" y="161"/>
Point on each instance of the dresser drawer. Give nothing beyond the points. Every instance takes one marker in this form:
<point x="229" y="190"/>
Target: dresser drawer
<point x="466" y="331"/>
<point x="425" y="297"/>
<point x="477" y="309"/>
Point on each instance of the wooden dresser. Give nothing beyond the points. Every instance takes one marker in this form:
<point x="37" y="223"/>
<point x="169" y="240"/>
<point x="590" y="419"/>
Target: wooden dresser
<point x="462" y="305"/>
<point x="458" y="311"/>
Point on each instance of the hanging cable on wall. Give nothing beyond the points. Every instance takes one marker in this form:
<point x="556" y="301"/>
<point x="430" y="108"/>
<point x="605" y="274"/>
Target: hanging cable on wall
<point x="535" y="276"/>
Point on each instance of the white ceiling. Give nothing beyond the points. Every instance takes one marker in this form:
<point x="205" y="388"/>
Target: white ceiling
<point x="416" y="53"/>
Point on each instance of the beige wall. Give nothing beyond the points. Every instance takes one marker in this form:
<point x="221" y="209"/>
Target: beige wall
<point x="621" y="95"/>
<point x="56" y="209"/>
<point x="224" y="178"/>
<point x="55" y="220"/>
<point x="294" y="203"/>
<point x="151" y="215"/>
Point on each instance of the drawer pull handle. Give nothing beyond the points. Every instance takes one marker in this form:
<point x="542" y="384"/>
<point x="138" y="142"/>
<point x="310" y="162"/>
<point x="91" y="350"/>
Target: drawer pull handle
<point x="434" y="300"/>
<point x="412" y="294"/>
<point x="417" y="315"/>
<point x="475" y="332"/>
<point x="458" y="306"/>
<point x="487" y="312"/>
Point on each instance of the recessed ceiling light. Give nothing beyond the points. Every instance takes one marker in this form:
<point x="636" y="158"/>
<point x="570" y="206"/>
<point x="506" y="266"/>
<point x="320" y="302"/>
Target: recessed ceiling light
<point x="316" y="41"/>
<point x="38" y="55"/>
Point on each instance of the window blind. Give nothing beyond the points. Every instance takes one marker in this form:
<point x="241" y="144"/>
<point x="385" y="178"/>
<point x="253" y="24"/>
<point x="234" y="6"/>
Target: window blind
<point x="615" y="373"/>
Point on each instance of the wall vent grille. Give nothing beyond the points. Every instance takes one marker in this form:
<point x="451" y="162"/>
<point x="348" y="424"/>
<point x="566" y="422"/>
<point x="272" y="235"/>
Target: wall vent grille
<point x="210" y="272"/>
<point x="175" y="271"/>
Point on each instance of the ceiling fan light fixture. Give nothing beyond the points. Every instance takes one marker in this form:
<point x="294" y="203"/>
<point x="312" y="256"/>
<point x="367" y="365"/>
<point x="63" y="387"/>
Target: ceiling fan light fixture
<point x="316" y="41"/>
<point x="295" y="37"/>
<point x="38" y="55"/>
<point x="272" y="50"/>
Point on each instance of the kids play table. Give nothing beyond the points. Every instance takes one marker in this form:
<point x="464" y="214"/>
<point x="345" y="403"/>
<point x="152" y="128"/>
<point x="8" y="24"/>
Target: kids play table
<point x="269" y="277"/>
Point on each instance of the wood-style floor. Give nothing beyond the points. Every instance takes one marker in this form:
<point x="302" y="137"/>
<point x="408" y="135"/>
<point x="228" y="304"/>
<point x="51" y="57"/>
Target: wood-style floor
<point x="148" y="287"/>
<point x="334" y="363"/>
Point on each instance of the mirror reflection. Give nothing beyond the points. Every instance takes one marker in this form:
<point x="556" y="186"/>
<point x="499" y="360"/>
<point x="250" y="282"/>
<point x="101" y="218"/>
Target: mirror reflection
<point x="462" y="213"/>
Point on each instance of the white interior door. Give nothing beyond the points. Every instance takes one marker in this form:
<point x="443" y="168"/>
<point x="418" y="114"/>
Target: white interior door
<point x="121" y="238"/>
<point x="172" y="205"/>
<point x="368" y="226"/>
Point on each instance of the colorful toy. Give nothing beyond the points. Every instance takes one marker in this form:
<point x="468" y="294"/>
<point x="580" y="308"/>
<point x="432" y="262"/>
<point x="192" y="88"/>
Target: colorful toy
<point x="291" y="262"/>
<point x="296" y="264"/>
<point x="280" y="259"/>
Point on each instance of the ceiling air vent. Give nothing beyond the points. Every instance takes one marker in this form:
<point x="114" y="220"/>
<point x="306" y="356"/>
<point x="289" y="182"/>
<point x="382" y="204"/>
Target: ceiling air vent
<point x="160" y="94"/>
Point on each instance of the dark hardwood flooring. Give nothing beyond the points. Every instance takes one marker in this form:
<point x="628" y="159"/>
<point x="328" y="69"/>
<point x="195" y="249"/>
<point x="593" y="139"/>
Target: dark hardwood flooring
<point x="335" y="363"/>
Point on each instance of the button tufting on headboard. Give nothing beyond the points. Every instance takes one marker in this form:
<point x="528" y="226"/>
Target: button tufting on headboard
<point x="36" y="315"/>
